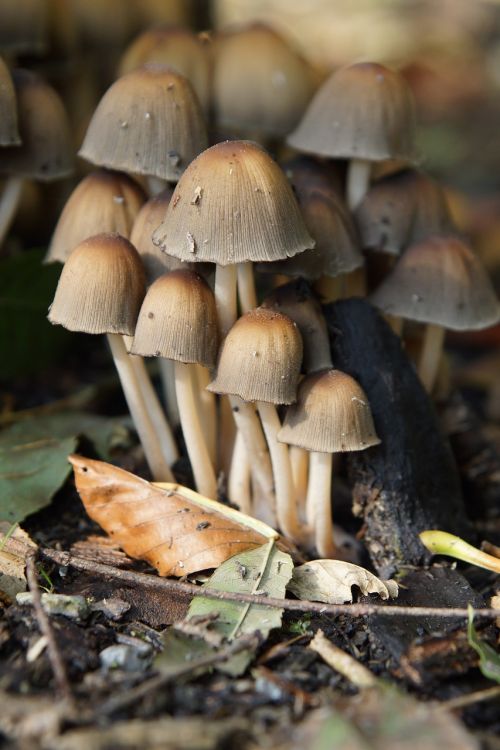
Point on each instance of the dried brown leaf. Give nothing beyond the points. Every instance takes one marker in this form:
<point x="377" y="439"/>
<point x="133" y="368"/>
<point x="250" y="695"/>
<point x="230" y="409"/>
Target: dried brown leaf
<point x="173" y="528"/>
<point x="15" y="545"/>
<point x="332" y="581"/>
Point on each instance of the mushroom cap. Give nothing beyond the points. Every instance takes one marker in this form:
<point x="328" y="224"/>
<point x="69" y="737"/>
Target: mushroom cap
<point x="46" y="151"/>
<point x="402" y="209"/>
<point x="233" y="204"/>
<point x="259" y="82"/>
<point x="101" y="287"/>
<point x="9" y="134"/>
<point x="307" y="174"/>
<point x="24" y="26"/>
<point x="363" y="111"/>
<point x="260" y="358"/>
<point x="297" y="301"/>
<point x="440" y="281"/>
<point x="178" y="320"/>
<point x="336" y="250"/>
<point x="148" y="122"/>
<point x="102" y="202"/>
<point x="332" y="415"/>
<point x="176" y="47"/>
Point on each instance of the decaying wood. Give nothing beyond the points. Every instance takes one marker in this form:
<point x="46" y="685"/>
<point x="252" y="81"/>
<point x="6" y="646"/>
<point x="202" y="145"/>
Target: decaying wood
<point x="409" y="482"/>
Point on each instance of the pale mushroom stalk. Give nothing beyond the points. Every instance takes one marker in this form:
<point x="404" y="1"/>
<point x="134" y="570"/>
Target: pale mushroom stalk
<point x="299" y="459"/>
<point x="203" y="470"/>
<point x="138" y="409"/>
<point x="169" y="394"/>
<point x="358" y="181"/>
<point x="286" y="505"/>
<point x="155" y="185"/>
<point x="225" y="291"/>
<point x="430" y="355"/>
<point x="239" y="477"/>
<point x="208" y="411"/>
<point x="319" y="498"/>
<point x="8" y="204"/>
<point x="246" y="287"/>
<point x="162" y="427"/>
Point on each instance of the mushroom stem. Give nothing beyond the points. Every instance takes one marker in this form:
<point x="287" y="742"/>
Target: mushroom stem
<point x="330" y="288"/>
<point x="396" y="324"/>
<point x="250" y="427"/>
<point x="208" y="411"/>
<point x="225" y="291"/>
<point x="138" y="409"/>
<point x="204" y="474"/>
<point x="355" y="283"/>
<point x="430" y="355"/>
<point x="246" y="287"/>
<point x="155" y="185"/>
<point x="8" y="204"/>
<point x="299" y="459"/>
<point x="169" y="394"/>
<point x="161" y="425"/>
<point x="286" y="502"/>
<point x="239" y="477"/>
<point x="358" y="181"/>
<point x="319" y="498"/>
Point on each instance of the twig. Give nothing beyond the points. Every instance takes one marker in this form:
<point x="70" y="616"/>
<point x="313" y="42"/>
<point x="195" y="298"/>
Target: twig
<point x="342" y="662"/>
<point x="139" y="692"/>
<point x="469" y="699"/>
<point x="168" y="584"/>
<point x="55" y="658"/>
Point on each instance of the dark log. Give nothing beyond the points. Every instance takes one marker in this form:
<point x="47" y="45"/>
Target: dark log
<point x="410" y="482"/>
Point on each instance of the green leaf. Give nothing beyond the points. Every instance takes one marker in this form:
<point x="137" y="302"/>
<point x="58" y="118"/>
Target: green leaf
<point x="264" y="571"/>
<point x="27" y="340"/>
<point x="34" y="458"/>
<point x="489" y="659"/>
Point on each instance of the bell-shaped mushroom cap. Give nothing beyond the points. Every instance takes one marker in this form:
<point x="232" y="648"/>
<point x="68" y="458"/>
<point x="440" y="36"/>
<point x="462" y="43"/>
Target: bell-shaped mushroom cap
<point x="156" y="263"/>
<point x="260" y="358"/>
<point x="148" y="122"/>
<point x="440" y="281"/>
<point x="402" y="209"/>
<point x="233" y="204"/>
<point x="178" y="320"/>
<point x="24" y="26"/>
<point x="336" y="249"/>
<point x="332" y="415"/>
<point x="176" y="47"/>
<point x="101" y="287"/>
<point x="102" y="202"/>
<point x="306" y="175"/>
<point x="46" y="152"/>
<point x="297" y="301"/>
<point x="9" y="134"/>
<point x="259" y="82"/>
<point x="363" y="111"/>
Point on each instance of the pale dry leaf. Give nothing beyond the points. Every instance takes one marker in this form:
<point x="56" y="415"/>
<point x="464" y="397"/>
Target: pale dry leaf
<point x="173" y="528"/>
<point x="15" y="544"/>
<point x="331" y="581"/>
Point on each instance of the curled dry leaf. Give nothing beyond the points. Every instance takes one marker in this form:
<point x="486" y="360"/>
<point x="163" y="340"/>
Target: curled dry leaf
<point x="175" y="529"/>
<point x="331" y="581"/>
<point x="15" y="545"/>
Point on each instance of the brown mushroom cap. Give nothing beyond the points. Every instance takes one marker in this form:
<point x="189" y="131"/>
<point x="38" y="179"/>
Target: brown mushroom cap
<point x="180" y="49"/>
<point x="9" y="134"/>
<point x="46" y="152"/>
<point x="178" y="320"/>
<point x="259" y="82"/>
<point x="440" y="281"/>
<point x="102" y="202"/>
<point x="336" y="240"/>
<point x="148" y="122"/>
<point x="402" y="209"/>
<point x="260" y="358"/>
<point x="363" y="111"/>
<point x="233" y="204"/>
<point x="101" y="287"/>
<point x="332" y="415"/>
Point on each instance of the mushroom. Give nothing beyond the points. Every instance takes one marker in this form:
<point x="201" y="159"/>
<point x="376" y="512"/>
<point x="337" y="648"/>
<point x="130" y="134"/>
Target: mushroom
<point x="365" y="113"/>
<point x="9" y="133"/>
<point x="331" y="415"/>
<point x="440" y="282"/>
<point x="178" y="321"/>
<point x="260" y="361"/>
<point x="24" y="27"/>
<point x="104" y="201"/>
<point x="100" y="290"/>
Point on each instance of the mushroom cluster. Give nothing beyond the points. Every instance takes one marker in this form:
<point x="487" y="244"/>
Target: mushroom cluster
<point x="196" y="238"/>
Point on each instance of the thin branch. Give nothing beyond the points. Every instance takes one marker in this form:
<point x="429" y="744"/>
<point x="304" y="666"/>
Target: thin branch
<point x="469" y="699"/>
<point x="173" y="586"/>
<point x="55" y="658"/>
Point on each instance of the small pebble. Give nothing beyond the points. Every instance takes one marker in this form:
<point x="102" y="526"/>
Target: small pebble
<point x="73" y="607"/>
